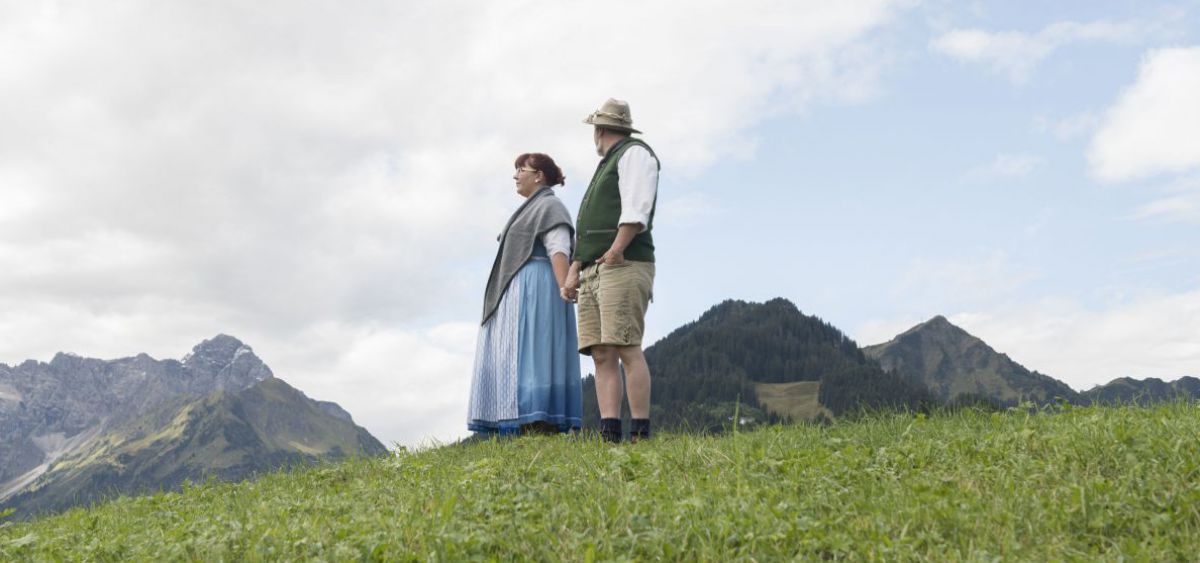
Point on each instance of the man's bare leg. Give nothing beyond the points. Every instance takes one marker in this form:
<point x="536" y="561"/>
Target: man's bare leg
<point x="637" y="381"/>
<point x="609" y="391"/>
<point x="609" y="388"/>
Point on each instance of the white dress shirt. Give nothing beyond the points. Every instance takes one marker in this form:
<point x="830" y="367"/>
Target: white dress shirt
<point x="637" y="180"/>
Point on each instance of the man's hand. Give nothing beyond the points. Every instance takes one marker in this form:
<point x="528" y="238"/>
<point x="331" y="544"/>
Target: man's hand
<point x="616" y="253"/>
<point x="613" y="257"/>
<point x="570" y="288"/>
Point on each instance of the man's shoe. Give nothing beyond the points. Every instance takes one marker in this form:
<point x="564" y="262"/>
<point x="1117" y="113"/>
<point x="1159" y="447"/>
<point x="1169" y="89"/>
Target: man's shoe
<point x="639" y="429"/>
<point x="610" y="429"/>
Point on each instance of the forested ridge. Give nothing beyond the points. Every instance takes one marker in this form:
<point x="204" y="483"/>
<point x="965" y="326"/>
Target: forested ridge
<point x="706" y="369"/>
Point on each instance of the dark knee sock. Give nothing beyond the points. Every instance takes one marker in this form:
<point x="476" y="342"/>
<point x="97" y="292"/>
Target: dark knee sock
<point x="610" y="429"/>
<point x="639" y="429"/>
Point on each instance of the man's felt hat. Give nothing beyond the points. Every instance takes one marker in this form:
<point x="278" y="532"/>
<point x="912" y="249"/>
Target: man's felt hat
<point x="614" y="114"/>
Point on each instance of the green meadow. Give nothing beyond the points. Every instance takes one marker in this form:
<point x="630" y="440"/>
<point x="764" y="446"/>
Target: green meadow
<point x="1068" y="483"/>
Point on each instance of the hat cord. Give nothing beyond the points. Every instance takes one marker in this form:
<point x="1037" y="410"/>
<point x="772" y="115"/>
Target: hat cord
<point x="610" y="114"/>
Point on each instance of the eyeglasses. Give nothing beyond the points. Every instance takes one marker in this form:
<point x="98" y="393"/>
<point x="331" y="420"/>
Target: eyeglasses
<point x="520" y="170"/>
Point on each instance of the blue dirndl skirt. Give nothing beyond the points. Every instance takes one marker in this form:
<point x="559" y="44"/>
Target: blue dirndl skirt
<point x="527" y="358"/>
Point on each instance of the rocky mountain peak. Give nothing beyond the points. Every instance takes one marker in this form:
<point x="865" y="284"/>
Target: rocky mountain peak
<point x="67" y="359"/>
<point x="938" y="331"/>
<point x="228" y="361"/>
<point x="952" y="362"/>
<point x="227" y="398"/>
<point x="939" y="321"/>
<point x="939" y="324"/>
<point x="220" y="348"/>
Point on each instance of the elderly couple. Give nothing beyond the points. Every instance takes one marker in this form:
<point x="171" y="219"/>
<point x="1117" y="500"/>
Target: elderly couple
<point x="526" y="374"/>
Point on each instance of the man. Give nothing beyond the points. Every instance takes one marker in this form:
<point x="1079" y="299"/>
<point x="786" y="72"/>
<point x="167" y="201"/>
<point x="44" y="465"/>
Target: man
<point x="612" y="275"/>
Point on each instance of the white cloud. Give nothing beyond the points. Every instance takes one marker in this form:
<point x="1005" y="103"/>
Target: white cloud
<point x="878" y="331"/>
<point x="1008" y="166"/>
<point x="1183" y="208"/>
<point x="689" y="209"/>
<point x="1151" y="129"/>
<point x="1036" y="224"/>
<point x="1174" y="254"/>
<point x="406" y="386"/>
<point x="1068" y="128"/>
<point x="935" y="286"/>
<point x="171" y="170"/>
<point x="953" y="283"/>
<point x="1015" y="54"/>
<point x="1145" y="336"/>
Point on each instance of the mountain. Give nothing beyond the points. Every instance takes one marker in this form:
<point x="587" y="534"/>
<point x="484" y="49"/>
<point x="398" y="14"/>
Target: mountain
<point x="77" y="429"/>
<point x="767" y="360"/>
<point x="1128" y="390"/>
<point x="955" y="365"/>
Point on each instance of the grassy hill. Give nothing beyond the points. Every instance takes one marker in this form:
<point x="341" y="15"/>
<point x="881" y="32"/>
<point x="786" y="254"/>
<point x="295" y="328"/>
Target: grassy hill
<point x="1080" y="484"/>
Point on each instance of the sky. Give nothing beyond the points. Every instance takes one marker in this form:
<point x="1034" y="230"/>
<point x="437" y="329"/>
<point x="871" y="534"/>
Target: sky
<point x="325" y="181"/>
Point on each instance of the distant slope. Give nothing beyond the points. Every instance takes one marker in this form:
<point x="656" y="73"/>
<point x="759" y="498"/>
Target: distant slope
<point x="797" y="401"/>
<point x="243" y="424"/>
<point x="1149" y="390"/>
<point x="952" y="364"/>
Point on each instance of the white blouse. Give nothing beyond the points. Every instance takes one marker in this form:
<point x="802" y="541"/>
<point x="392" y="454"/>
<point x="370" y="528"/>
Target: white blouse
<point x="558" y="241"/>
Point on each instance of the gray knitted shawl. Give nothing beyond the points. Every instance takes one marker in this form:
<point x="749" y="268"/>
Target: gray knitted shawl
<point x="539" y="214"/>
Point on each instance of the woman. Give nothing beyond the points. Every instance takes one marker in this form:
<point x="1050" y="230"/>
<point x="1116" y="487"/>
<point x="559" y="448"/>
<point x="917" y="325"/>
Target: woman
<point x="526" y="359"/>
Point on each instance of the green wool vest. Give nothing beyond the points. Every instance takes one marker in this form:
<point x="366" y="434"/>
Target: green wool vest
<point x="600" y="210"/>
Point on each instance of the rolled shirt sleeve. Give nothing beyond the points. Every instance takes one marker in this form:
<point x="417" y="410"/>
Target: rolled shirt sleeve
<point x="637" y="173"/>
<point x="558" y="241"/>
